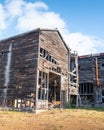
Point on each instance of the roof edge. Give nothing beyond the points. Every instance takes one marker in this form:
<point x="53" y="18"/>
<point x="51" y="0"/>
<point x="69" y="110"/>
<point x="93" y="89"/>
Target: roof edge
<point x="35" y="30"/>
<point x="20" y="35"/>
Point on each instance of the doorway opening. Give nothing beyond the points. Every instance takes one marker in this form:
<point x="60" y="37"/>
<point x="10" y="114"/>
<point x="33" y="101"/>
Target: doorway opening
<point x="54" y="89"/>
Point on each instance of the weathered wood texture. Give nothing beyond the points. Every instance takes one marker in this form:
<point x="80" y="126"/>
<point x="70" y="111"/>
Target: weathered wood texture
<point x="91" y="77"/>
<point x="87" y="69"/>
<point x="52" y="42"/>
<point x="23" y="63"/>
<point x="32" y="52"/>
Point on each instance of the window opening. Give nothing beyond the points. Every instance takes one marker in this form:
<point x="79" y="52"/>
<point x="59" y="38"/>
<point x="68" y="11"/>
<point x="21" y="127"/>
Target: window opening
<point x="45" y="54"/>
<point x="102" y="64"/>
<point x="43" y="86"/>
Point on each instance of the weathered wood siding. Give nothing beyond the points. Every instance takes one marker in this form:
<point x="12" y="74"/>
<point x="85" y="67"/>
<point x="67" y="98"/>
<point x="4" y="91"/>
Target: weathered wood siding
<point x="87" y="69"/>
<point x="23" y="69"/>
<point x="54" y="45"/>
<point x="91" y="70"/>
<point x="30" y="71"/>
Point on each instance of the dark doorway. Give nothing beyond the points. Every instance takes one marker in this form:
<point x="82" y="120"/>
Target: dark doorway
<point x="54" y="88"/>
<point x="73" y="100"/>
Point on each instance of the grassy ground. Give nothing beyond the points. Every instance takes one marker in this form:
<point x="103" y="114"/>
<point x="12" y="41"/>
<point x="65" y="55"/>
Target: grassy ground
<point x="70" y="119"/>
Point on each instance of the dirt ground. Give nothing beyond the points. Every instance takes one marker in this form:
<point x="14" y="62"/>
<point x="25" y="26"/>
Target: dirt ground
<point x="70" y="119"/>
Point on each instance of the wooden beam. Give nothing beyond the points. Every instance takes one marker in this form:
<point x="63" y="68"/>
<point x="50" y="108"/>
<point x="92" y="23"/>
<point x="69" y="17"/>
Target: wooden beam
<point x="71" y="73"/>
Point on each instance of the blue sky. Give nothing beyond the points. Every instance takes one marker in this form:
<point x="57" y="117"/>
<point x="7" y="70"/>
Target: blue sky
<point x="86" y="16"/>
<point x="79" y="21"/>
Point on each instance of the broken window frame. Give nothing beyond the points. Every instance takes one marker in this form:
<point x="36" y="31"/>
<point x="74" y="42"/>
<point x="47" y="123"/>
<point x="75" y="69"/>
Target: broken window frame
<point x="86" y="88"/>
<point x="45" y="54"/>
<point x="43" y="86"/>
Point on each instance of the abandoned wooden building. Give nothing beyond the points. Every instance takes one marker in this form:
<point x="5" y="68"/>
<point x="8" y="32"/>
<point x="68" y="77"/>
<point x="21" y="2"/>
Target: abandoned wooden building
<point x="34" y="70"/>
<point x="91" y="79"/>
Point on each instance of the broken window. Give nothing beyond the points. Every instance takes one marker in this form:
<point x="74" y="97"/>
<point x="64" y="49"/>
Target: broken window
<point x="102" y="64"/>
<point x="45" y="54"/>
<point x="41" y="52"/>
<point x="86" y="88"/>
<point x="50" y="58"/>
<point x="43" y="86"/>
<point x="58" y="69"/>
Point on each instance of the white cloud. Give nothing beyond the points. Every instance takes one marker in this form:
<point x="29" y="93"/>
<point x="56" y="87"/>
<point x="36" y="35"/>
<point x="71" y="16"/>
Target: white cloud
<point x="36" y="15"/>
<point x="20" y="16"/>
<point x="14" y="7"/>
<point x="83" y="44"/>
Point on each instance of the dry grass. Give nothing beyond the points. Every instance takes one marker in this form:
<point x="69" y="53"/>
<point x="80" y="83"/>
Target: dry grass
<point x="72" y="119"/>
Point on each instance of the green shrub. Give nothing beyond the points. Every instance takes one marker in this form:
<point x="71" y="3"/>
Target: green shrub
<point x="69" y="105"/>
